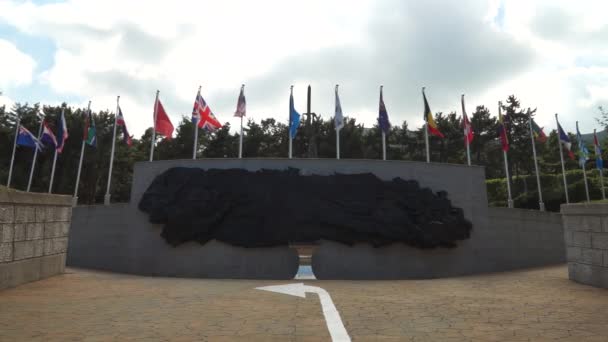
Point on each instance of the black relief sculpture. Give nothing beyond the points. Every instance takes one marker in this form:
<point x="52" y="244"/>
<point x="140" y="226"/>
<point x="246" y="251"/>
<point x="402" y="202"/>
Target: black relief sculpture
<point x="272" y="208"/>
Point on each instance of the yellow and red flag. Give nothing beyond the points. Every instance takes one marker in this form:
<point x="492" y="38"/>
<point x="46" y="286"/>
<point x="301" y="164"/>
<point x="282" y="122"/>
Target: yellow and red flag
<point x="428" y="117"/>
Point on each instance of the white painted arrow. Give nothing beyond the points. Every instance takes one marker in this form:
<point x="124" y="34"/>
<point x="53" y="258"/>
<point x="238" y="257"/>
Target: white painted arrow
<point x="332" y="317"/>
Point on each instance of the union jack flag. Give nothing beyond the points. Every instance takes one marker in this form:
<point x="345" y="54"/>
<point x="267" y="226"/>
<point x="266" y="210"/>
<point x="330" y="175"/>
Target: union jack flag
<point x="202" y="115"/>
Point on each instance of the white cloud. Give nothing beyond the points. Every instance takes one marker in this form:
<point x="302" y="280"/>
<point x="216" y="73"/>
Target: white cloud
<point x="546" y="52"/>
<point x="16" y="68"/>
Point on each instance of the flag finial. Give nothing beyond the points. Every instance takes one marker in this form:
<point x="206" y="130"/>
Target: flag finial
<point x="337" y="85"/>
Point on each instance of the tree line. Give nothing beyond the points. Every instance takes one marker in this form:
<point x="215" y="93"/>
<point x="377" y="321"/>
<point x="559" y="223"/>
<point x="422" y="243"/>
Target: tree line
<point x="268" y="138"/>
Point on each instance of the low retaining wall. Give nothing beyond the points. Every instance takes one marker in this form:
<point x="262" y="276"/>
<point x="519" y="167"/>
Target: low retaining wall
<point x="119" y="238"/>
<point x="33" y="236"/>
<point x="512" y="238"/>
<point x="586" y="237"/>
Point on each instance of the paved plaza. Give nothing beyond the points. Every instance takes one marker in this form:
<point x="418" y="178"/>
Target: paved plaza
<point x="531" y="305"/>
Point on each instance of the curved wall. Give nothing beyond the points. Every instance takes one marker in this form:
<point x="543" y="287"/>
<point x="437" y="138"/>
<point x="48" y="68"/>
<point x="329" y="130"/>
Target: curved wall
<point x="119" y="237"/>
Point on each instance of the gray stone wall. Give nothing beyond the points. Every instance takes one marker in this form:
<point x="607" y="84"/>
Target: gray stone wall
<point x="512" y="238"/>
<point x="119" y="237"/>
<point x="586" y="238"/>
<point x="33" y="236"/>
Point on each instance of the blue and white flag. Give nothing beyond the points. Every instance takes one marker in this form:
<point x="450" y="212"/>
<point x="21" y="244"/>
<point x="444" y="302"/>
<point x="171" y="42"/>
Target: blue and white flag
<point x="27" y="139"/>
<point x="62" y="132"/>
<point x="599" y="162"/>
<point x="294" y="118"/>
<point x="383" y="121"/>
<point x="583" y="152"/>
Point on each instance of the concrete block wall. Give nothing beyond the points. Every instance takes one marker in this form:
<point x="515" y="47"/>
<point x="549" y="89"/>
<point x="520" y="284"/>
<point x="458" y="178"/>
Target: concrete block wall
<point x="34" y="232"/>
<point x="586" y="239"/>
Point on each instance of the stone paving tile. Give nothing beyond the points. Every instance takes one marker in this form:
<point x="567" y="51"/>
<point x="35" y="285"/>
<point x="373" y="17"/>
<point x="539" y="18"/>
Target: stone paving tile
<point x="532" y="305"/>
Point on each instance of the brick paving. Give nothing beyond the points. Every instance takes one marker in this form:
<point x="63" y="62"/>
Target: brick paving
<point x="532" y="305"/>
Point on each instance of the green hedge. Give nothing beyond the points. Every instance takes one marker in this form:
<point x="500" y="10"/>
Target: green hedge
<point x="525" y="194"/>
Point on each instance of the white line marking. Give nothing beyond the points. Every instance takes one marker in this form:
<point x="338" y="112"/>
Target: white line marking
<point x="332" y="317"/>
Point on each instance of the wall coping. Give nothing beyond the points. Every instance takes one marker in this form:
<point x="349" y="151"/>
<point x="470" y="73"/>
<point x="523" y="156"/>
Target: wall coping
<point x="34" y="198"/>
<point x="585" y="209"/>
<point x="244" y="160"/>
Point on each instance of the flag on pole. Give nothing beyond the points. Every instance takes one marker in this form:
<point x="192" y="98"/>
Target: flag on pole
<point x="599" y="162"/>
<point x="565" y="140"/>
<point x="428" y="118"/>
<point x="27" y="139"/>
<point x="120" y="121"/>
<point x="338" y="117"/>
<point x="48" y="138"/>
<point x="202" y="115"/>
<point x="163" y="124"/>
<point x="90" y="133"/>
<point x="62" y="132"/>
<point x="539" y="135"/>
<point x="583" y="152"/>
<point x="468" y="129"/>
<point x="294" y="118"/>
<point x="383" y="122"/>
<point x="241" y="104"/>
<point x="502" y="131"/>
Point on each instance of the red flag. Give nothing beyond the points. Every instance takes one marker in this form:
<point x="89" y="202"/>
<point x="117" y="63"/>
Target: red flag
<point x="163" y="124"/>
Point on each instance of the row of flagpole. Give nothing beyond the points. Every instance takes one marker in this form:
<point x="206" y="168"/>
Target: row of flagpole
<point x="202" y="117"/>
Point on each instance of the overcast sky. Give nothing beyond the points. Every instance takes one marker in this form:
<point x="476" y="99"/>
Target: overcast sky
<point x="551" y="54"/>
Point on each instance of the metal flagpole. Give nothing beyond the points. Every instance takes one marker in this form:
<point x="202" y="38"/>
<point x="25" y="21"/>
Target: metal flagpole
<point x="584" y="169"/>
<point x="241" y="135"/>
<point x="383" y="134"/>
<point x="29" y="182"/>
<point x="504" y="153"/>
<point x="241" y="140"/>
<point x="289" y="125"/>
<point x="510" y="199"/>
<point x="541" y="204"/>
<point x="561" y="157"/>
<point x="75" y="198"/>
<point x="10" y="170"/>
<point x="600" y="169"/>
<point x="466" y="136"/>
<point x="154" y="127"/>
<point x="195" y="147"/>
<point x="106" y="198"/>
<point x="602" y="184"/>
<point x="338" y="129"/>
<point x="55" y="157"/>
<point x="426" y="131"/>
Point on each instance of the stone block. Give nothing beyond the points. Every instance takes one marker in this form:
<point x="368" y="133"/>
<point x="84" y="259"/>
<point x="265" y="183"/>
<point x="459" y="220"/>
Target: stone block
<point x="583" y="223"/>
<point x="34" y="231"/>
<point x="592" y="257"/>
<point x="23" y="250"/>
<point x="56" y="229"/>
<point x="573" y="254"/>
<point x="25" y="214"/>
<point x="7" y="213"/>
<point x="568" y="237"/>
<point x="600" y="241"/>
<point x="52" y="265"/>
<point x="19" y="232"/>
<point x="41" y="213"/>
<point x="6" y="252"/>
<point x="19" y="272"/>
<point x="581" y="239"/>
<point x="38" y="248"/>
<point x="63" y="214"/>
<point x="55" y="246"/>
<point x="6" y="233"/>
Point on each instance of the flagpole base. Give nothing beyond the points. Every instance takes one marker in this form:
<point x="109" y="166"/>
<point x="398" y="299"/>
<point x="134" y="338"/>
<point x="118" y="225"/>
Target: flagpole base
<point x="74" y="201"/>
<point x="541" y="206"/>
<point x="106" y="199"/>
<point x="510" y="203"/>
